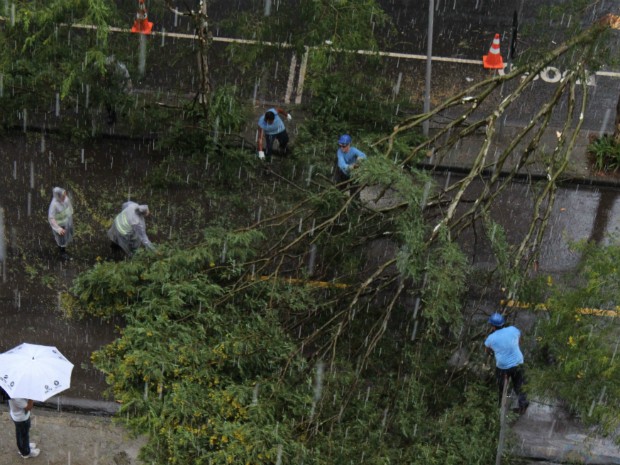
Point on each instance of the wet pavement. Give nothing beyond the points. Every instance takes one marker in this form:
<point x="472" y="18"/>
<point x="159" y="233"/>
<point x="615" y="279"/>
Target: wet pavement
<point x="33" y="276"/>
<point x="70" y="439"/>
<point x="547" y="433"/>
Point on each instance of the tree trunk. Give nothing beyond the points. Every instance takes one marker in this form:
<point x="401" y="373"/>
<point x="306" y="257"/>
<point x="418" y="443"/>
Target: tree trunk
<point x="201" y="20"/>
<point x="203" y="63"/>
<point x="617" y="123"/>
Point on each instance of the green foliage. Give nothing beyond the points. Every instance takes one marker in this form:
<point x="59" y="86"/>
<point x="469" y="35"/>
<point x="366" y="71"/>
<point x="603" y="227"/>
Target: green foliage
<point x="196" y="366"/>
<point x="346" y="24"/>
<point x="210" y="376"/>
<point x="343" y="98"/>
<point x="606" y="154"/>
<point x="46" y="60"/>
<point x="506" y="274"/>
<point x="580" y="335"/>
<point x="226" y="112"/>
<point x="559" y="21"/>
<point x="330" y="32"/>
<point x="446" y="269"/>
<point x="349" y="24"/>
<point x="413" y="418"/>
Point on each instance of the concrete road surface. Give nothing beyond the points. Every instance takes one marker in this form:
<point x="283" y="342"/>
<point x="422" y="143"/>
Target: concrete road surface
<point x="70" y="439"/>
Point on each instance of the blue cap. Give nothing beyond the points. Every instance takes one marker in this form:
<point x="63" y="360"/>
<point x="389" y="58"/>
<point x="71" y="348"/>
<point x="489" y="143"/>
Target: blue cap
<point x="497" y="319"/>
<point x="345" y="139"/>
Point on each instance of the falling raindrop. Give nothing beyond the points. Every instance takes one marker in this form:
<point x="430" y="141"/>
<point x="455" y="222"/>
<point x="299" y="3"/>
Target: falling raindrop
<point x="279" y="455"/>
<point x="216" y="126"/>
<point x="416" y="307"/>
<point x="427" y="189"/>
<point x="312" y="260"/>
<point x="415" y="330"/>
<point x="57" y="112"/>
<point x="605" y="121"/>
<point x="318" y="385"/>
<point x="255" y="394"/>
<point x="614" y="354"/>
<point x="2" y="243"/>
<point x="1" y="85"/>
<point x="398" y="82"/>
<point x="256" y="85"/>
<point x="29" y="203"/>
<point x="224" y="249"/>
<point x="309" y="178"/>
<point x="25" y="116"/>
<point x="31" y="175"/>
<point x="384" y="420"/>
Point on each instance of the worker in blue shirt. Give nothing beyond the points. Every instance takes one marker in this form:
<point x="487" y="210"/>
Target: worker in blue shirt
<point x="503" y="342"/>
<point x="348" y="158"/>
<point x="272" y="127"/>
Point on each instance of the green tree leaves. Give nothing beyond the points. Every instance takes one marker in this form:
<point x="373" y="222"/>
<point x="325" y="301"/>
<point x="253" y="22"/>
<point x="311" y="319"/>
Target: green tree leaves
<point x="579" y="338"/>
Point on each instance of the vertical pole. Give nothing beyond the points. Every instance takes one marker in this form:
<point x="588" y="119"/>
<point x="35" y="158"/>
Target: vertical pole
<point x="513" y="40"/>
<point x="502" y="422"/>
<point x="429" y="55"/>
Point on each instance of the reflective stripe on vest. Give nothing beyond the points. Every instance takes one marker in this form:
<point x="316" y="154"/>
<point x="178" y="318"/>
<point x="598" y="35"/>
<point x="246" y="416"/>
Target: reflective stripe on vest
<point x="122" y="224"/>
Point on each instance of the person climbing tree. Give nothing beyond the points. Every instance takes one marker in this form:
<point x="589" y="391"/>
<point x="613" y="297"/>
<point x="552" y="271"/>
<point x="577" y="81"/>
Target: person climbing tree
<point x="503" y="342"/>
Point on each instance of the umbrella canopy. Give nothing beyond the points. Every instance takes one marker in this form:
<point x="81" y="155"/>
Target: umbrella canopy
<point x="36" y="372"/>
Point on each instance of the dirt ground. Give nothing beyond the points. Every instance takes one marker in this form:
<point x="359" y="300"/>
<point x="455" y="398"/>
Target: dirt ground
<point x="71" y="439"/>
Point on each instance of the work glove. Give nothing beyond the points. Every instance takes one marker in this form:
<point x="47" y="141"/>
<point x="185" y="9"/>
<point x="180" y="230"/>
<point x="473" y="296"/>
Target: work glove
<point x="261" y="155"/>
<point x="289" y="117"/>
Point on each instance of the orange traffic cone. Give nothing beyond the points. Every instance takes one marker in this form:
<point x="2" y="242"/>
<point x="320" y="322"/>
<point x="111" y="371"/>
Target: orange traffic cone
<point x="142" y="25"/>
<point x="494" y="59"/>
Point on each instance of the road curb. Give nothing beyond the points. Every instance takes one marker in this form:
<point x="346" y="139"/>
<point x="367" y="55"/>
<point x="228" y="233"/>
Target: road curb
<point x="525" y="177"/>
<point x="78" y="405"/>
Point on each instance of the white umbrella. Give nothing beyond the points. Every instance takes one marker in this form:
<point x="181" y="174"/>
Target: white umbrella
<point x="36" y="372"/>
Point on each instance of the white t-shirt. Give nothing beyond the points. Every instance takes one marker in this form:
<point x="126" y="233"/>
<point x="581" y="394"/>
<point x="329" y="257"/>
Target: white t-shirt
<point x="18" y="409"/>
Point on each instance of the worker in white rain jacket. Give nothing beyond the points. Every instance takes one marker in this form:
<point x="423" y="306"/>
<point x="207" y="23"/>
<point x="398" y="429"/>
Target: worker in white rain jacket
<point x="60" y="217"/>
<point x="129" y="228"/>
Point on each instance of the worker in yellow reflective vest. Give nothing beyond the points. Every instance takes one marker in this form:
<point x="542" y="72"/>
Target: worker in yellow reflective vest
<point x="60" y="217"/>
<point x="128" y="231"/>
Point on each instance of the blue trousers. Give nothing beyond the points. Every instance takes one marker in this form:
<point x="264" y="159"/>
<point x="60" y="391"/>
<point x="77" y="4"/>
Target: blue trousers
<point x="22" y="434"/>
